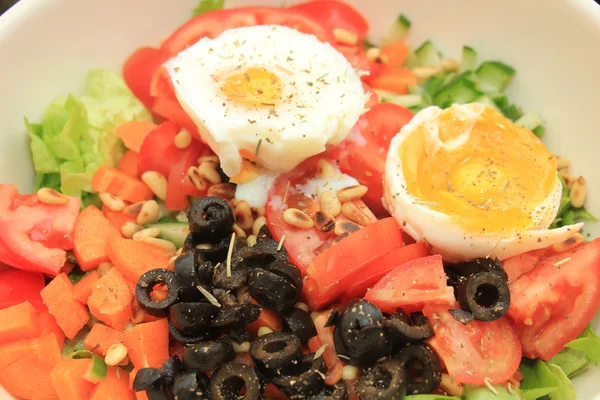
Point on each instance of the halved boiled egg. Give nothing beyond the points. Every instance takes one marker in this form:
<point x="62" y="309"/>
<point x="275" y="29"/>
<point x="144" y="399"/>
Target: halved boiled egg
<point x="269" y="94"/>
<point x="473" y="184"/>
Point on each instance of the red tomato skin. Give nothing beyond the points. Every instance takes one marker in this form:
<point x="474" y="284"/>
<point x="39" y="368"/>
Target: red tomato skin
<point x="158" y="150"/>
<point x="476" y="352"/>
<point x="139" y="70"/>
<point x="18" y="286"/>
<point x="335" y="14"/>
<point x="552" y="304"/>
<point x="179" y="186"/>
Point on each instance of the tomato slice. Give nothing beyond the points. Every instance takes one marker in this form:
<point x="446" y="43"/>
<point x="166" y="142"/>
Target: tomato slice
<point x="139" y="70"/>
<point x="476" y="352"/>
<point x="169" y="109"/>
<point x="325" y="337"/>
<point x="158" y="150"/>
<point x="412" y="285"/>
<point x="551" y="304"/>
<point x="18" y="286"/>
<point x="364" y="151"/>
<point x="335" y="14"/>
<point x="392" y="79"/>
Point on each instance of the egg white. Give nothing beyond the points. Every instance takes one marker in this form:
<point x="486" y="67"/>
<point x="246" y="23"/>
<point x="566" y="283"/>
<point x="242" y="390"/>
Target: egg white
<point x="446" y="236"/>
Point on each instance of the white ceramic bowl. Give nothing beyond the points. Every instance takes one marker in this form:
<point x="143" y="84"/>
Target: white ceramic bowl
<point x="46" y="47"/>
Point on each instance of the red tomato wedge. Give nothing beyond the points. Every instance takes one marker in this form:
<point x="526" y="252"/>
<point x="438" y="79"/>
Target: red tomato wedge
<point x="35" y="235"/>
<point x="551" y="304"/>
<point x="476" y="352"/>
<point x="158" y="149"/>
<point x="18" y="286"/>
<point x="139" y="70"/>
<point x="335" y="14"/>
<point x="325" y="337"/>
<point x="412" y="285"/>
<point x="364" y="151"/>
<point x="179" y="186"/>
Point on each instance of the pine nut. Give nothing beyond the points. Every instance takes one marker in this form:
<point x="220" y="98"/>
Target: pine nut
<point x="342" y="227"/>
<point x="129" y="229"/>
<point x="181" y="217"/>
<point x="562" y="162"/>
<point x="243" y="215"/>
<point x="183" y="139"/>
<point x="112" y="202"/>
<point x="451" y="387"/>
<point x="373" y="54"/>
<point x="330" y="204"/>
<point x="450" y="64"/>
<point x="426" y="72"/>
<point x="211" y="159"/>
<point x="324" y="221"/>
<point x="325" y="169"/>
<point x="568" y="244"/>
<point x="578" y="192"/>
<point x="204" y="246"/>
<point x="251" y="240"/>
<point x="297" y="218"/>
<point x="259" y="211"/>
<point x="148" y="213"/>
<point x="241" y="348"/>
<point x="340" y="238"/>
<point x="115" y="354"/>
<point x="263" y="330"/>
<point x="162" y="243"/>
<point x="148" y="232"/>
<point x="172" y="260"/>
<point x="258" y="223"/>
<point x="193" y="175"/>
<point x="354" y="214"/>
<point x="207" y="171"/>
<point x="133" y="210"/>
<point x="156" y="182"/>
<point x="345" y="37"/>
<point x="350" y="372"/>
<point x="104" y="267"/>
<point x="351" y="193"/>
<point x="223" y="190"/>
<point x="239" y="232"/>
<point x="302" y="306"/>
<point x="51" y="197"/>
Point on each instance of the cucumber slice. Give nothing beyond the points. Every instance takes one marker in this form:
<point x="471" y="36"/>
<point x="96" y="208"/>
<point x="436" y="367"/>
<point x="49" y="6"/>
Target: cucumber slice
<point x="539" y="131"/>
<point x="469" y="59"/>
<point x="487" y="100"/>
<point x="96" y="371"/>
<point x="460" y="91"/>
<point x="427" y="55"/>
<point x="512" y="112"/>
<point x="398" y="31"/>
<point x="404" y="100"/>
<point x="500" y="100"/>
<point x="494" y="76"/>
<point x="174" y="232"/>
<point x="530" y="121"/>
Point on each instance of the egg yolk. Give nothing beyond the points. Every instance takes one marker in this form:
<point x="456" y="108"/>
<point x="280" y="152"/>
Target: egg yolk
<point x="255" y="87"/>
<point x="489" y="173"/>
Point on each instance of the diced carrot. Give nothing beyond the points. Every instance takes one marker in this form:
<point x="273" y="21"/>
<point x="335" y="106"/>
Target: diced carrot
<point x="83" y="289"/>
<point x="266" y="318"/>
<point x="114" y="387"/>
<point x="18" y="322"/>
<point x="133" y="133"/>
<point x="396" y="54"/>
<point x="125" y="187"/>
<point x="110" y="300"/>
<point x="69" y="313"/>
<point x="46" y="324"/>
<point x="134" y="258"/>
<point x="101" y="337"/>
<point x="68" y="381"/>
<point x="25" y="367"/>
<point x="128" y="164"/>
<point x="393" y="79"/>
<point x="148" y="344"/>
<point x="117" y="218"/>
<point x="92" y="231"/>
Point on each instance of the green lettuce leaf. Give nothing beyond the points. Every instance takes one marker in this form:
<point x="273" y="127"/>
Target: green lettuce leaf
<point x="208" y="5"/>
<point x="565" y="389"/>
<point x="589" y="344"/>
<point x="572" y="362"/>
<point x="538" y="380"/>
<point x="430" y="397"/>
<point x="473" y="392"/>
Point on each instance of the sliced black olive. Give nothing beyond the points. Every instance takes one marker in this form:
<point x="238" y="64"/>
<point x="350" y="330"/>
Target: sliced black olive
<point x="209" y="354"/>
<point x="170" y="369"/>
<point x="486" y="295"/>
<point x="242" y="295"/>
<point x="334" y="317"/>
<point x="211" y="219"/>
<point x="271" y="290"/>
<point x="308" y="381"/>
<point x="224" y="297"/>
<point x="228" y="381"/>
<point x="276" y="353"/>
<point x="359" y="334"/>
<point x="386" y="380"/>
<point x="482" y="265"/>
<point x="339" y="391"/>
<point x="237" y="279"/>
<point x="145" y="285"/>
<point x="287" y="271"/>
<point x="192" y="271"/>
<point x="239" y="334"/>
<point x="192" y="317"/>
<point x="236" y="316"/>
<point x="147" y="378"/>
<point x="222" y="174"/>
<point x="263" y="234"/>
<point x="190" y="242"/>
<point x="402" y="329"/>
<point x="191" y="385"/>
<point x="422" y="368"/>
<point x="462" y="316"/>
<point x="218" y="252"/>
<point x="262" y="253"/>
<point x="188" y="338"/>
<point x="299" y="323"/>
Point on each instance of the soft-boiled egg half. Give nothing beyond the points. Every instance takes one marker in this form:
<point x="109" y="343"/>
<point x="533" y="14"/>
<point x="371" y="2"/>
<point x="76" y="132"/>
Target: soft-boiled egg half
<point x="473" y="184"/>
<point x="268" y="94"/>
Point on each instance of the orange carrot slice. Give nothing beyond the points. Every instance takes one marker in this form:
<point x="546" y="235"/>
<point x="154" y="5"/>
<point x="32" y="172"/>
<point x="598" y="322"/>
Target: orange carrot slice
<point x="128" y="164"/>
<point x="82" y="290"/>
<point x="92" y="231"/>
<point x="101" y="337"/>
<point x="133" y="258"/>
<point x="396" y="54"/>
<point x="25" y="367"/>
<point x="46" y="324"/>
<point x="148" y="344"/>
<point x="68" y="381"/>
<point x="393" y="79"/>
<point x="114" y="387"/>
<point x="117" y="218"/>
<point x="133" y="133"/>
<point x="69" y="313"/>
<point x="125" y="187"/>
<point x="110" y="300"/>
<point x="18" y="322"/>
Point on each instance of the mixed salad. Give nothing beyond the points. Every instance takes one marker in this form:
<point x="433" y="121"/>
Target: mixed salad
<point x="268" y="205"/>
